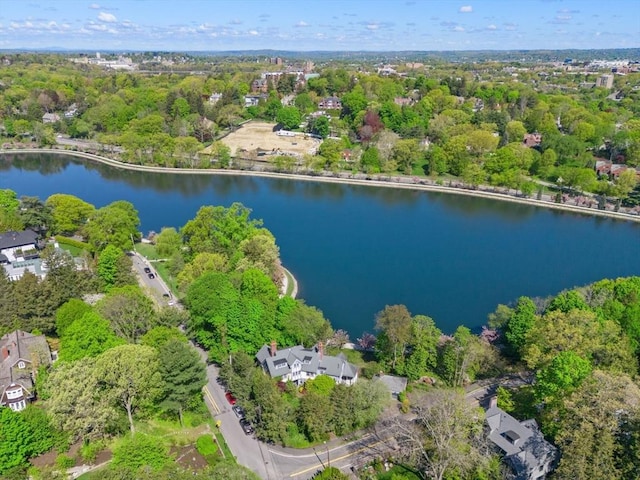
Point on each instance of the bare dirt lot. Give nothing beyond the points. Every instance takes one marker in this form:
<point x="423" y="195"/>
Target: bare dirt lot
<point x="260" y="135"/>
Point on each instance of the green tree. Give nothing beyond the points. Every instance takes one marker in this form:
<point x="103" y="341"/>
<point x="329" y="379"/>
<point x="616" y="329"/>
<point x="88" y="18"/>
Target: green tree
<point x="116" y="224"/>
<point x="158" y="336"/>
<point x="394" y="323"/>
<point x="314" y="415"/>
<point x="88" y="336"/>
<point x="202" y="263"/>
<point x="18" y="440"/>
<point x="69" y="213"/>
<point x="304" y="325"/>
<point x="109" y="261"/>
<point x="522" y="320"/>
<point x="35" y="214"/>
<point x="219" y="229"/>
<point x="289" y="117"/>
<point x="130" y="377"/>
<point x="565" y="372"/>
<point x="319" y="126"/>
<point x="129" y="311"/>
<point x="183" y="373"/>
<point x="69" y="312"/>
<point x="168" y="242"/>
<point x="423" y="347"/>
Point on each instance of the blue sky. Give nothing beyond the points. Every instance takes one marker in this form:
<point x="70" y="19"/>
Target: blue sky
<point x="383" y="25"/>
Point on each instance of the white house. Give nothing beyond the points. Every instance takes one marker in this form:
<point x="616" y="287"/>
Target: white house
<point x="18" y="246"/>
<point x="299" y="364"/>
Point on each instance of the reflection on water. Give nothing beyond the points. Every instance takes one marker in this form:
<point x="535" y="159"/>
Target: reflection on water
<point x="356" y="248"/>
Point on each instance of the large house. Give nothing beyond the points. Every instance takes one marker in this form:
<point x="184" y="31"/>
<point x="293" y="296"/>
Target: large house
<point x="19" y="254"/>
<point x="21" y="354"/>
<point x="525" y="450"/>
<point x="299" y="364"/>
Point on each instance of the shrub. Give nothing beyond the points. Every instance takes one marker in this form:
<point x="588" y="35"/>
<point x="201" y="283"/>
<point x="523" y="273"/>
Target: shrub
<point x="64" y="461"/>
<point x="73" y="243"/>
<point x="208" y="449"/>
<point x="89" y="451"/>
<point x="139" y="451"/>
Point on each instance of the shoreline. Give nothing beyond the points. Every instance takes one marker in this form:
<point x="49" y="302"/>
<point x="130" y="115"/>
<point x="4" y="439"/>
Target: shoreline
<point x="397" y="183"/>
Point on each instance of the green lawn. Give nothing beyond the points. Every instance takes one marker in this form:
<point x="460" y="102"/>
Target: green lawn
<point x="147" y="250"/>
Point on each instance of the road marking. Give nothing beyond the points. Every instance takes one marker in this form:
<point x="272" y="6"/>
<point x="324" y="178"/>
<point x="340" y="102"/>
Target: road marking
<point x="315" y="467"/>
<point x="289" y="455"/>
<point x="214" y="405"/>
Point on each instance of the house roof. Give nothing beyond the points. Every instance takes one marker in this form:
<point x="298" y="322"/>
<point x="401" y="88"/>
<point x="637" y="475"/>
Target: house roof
<point x="393" y="383"/>
<point x="13" y="239"/>
<point x="21" y="346"/>
<point x="523" y="444"/>
<point x="311" y="360"/>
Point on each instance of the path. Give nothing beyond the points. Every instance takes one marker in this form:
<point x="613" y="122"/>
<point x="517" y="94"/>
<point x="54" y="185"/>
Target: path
<point x="412" y="183"/>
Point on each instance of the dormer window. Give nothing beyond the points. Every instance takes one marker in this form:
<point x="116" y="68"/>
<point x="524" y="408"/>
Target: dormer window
<point x="21" y="364"/>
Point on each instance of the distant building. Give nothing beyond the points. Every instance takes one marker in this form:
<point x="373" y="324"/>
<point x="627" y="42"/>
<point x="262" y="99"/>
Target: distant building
<point x="525" y="450"/>
<point x="21" y="354"/>
<point x="50" y="118"/>
<point x="299" y="364"/>
<point x="214" y="98"/>
<point x="330" y="103"/>
<point x="532" y="140"/>
<point x="605" y="81"/>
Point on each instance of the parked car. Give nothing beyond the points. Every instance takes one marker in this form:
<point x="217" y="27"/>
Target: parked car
<point x="147" y="270"/>
<point x="151" y="276"/>
<point x="239" y="411"/>
<point x="246" y="427"/>
<point x="230" y="398"/>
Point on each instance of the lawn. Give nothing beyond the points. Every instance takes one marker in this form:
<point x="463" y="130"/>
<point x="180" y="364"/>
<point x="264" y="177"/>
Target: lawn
<point x="147" y="250"/>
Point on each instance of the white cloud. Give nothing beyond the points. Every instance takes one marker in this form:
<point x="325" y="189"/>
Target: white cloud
<point x="466" y="9"/>
<point x="491" y="27"/>
<point x="458" y="28"/>
<point x="107" y="17"/>
<point x="373" y="26"/>
<point x="94" y="6"/>
<point x="253" y="32"/>
<point x="301" y="24"/>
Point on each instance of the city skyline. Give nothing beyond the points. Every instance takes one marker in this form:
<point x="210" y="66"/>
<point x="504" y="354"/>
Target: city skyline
<point x="319" y="25"/>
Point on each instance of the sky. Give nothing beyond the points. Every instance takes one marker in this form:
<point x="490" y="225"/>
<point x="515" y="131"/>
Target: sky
<point x="330" y="25"/>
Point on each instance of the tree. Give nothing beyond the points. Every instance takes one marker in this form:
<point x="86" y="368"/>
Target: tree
<point x="183" y="373"/>
<point x="129" y="311"/>
<point x="69" y="312"/>
<point x="219" y="229"/>
<point x="289" y="117"/>
<point x="88" y="336"/>
<point x="314" y="415"/>
<point x="319" y="126"/>
<point x="331" y="473"/>
<point x="423" y="347"/>
<point x="260" y="251"/>
<point x="35" y="215"/>
<point x="267" y="407"/>
<point x="69" y="213"/>
<point x="76" y="403"/>
<point x="522" y="319"/>
<point x="115" y="224"/>
<point x="322" y="385"/>
<point x="158" y="336"/>
<point x="565" y="372"/>
<point x="109" y="262"/>
<point x="168" y="242"/>
<point x="445" y="438"/>
<point x="18" y="440"/>
<point x="625" y="183"/>
<point x="406" y="153"/>
<point x="202" y="263"/>
<point x="130" y="377"/>
<point x="304" y="325"/>
<point x="395" y="324"/>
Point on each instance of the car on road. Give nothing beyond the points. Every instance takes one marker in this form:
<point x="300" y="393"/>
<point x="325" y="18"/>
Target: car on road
<point x="239" y="411"/>
<point x="230" y="398"/>
<point x="246" y="427"/>
<point x="147" y="270"/>
<point x="151" y="276"/>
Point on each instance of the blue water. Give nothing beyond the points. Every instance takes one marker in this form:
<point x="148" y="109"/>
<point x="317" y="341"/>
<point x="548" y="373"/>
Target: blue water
<point x="355" y="249"/>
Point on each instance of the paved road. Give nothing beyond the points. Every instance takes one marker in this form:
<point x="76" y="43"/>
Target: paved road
<point x="156" y="286"/>
<point x="248" y="451"/>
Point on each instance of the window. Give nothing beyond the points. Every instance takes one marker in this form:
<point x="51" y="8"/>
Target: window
<point x="21" y="365"/>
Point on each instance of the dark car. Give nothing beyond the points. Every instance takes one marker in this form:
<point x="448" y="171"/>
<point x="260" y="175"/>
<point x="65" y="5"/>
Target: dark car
<point x="239" y="411"/>
<point x="151" y="276"/>
<point x="147" y="270"/>
<point x="230" y="398"/>
<point x="246" y="427"/>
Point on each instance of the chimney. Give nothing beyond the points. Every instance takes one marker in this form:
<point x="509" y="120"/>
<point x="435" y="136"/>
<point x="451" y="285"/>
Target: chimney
<point x="273" y="348"/>
<point x="5" y="353"/>
<point x="493" y="401"/>
<point x="321" y="349"/>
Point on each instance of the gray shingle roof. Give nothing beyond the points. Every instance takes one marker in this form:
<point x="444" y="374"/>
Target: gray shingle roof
<point x="280" y="363"/>
<point x="13" y="239"/>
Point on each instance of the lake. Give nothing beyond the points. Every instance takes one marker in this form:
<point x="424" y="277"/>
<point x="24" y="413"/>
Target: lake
<point x="355" y="249"/>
